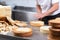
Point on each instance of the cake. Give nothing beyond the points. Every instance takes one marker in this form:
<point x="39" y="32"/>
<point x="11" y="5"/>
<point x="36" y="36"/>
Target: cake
<point x="5" y="11"/>
<point x="55" y="32"/>
<point x="44" y="29"/>
<point x="37" y="23"/>
<point x="20" y="23"/>
<point x="8" y="10"/>
<point x="23" y="32"/>
<point x="2" y="11"/>
<point x="58" y="19"/>
<point x="50" y="22"/>
<point x="55" y="23"/>
<point x="11" y="21"/>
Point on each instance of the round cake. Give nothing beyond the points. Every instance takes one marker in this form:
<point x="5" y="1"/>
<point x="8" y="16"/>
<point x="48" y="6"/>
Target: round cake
<point x="37" y="23"/>
<point x="55" y="23"/>
<point x="44" y="29"/>
<point x="55" y="32"/>
<point x="58" y="19"/>
<point x="23" y="32"/>
<point x="21" y="23"/>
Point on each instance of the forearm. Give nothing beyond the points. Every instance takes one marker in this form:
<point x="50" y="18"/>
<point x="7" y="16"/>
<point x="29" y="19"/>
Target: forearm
<point x="39" y="10"/>
<point x="52" y="9"/>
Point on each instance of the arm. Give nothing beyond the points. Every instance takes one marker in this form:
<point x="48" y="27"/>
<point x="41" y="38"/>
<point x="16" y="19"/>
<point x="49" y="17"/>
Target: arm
<point x="49" y="12"/>
<point x="38" y="7"/>
<point x="52" y="9"/>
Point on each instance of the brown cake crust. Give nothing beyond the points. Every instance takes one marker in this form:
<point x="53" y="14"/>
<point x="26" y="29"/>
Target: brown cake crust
<point x="55" y="32"/>
<point x="55" y="23"/>
<point x="28" y="34"/>
<point x="37" y="23"/>
<point x="50" y="37"/>
<point x="22" y="33"/>
<point x="55" y="29"/>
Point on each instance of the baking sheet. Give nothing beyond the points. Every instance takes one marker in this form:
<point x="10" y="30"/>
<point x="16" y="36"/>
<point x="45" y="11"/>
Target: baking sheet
<point x="36" y="35"/>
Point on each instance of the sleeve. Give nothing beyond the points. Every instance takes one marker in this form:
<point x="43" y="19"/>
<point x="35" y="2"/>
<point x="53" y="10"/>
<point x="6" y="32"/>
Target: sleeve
<point x="55" y="1"/>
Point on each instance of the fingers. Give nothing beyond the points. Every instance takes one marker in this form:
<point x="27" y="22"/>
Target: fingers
<point x="38" y="15"/>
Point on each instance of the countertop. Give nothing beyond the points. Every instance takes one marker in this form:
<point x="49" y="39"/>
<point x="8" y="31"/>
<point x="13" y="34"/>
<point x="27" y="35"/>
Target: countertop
<point x="37" y="35"/>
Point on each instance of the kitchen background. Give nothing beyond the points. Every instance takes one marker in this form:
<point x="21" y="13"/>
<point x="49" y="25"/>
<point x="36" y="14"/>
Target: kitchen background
<point x="27" y="3"/>
<point x="26" y="9"/>
<point x="23" y="9"/>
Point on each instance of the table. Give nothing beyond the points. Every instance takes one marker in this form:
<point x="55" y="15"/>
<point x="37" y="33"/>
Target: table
<point x="37" y="35"/>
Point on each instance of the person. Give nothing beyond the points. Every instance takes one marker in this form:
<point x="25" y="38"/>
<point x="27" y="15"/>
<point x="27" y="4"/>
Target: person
<point x="47" y="10"/>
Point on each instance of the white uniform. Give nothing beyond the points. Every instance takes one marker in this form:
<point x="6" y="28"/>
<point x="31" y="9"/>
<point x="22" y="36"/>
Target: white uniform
<point x="47" y="4"/>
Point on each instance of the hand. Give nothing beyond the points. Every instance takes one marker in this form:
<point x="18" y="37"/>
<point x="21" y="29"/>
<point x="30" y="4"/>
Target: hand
<point x="39" y="15"/>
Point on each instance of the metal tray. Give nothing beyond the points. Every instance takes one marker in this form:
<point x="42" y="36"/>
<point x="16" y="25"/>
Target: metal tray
<point x="36" y="36"/>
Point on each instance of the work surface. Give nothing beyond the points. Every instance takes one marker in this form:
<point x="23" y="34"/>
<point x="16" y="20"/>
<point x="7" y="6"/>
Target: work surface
<point x="36" y="36"/>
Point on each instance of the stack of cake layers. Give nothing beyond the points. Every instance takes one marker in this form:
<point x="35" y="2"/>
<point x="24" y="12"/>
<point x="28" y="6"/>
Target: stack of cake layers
<point x="54" y="33"/>
<point x="5" y="11"/>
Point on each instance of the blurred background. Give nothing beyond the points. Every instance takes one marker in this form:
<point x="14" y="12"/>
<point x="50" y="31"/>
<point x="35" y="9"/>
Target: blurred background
<point x="27" y="3"/>
<point x="22" y="9"/>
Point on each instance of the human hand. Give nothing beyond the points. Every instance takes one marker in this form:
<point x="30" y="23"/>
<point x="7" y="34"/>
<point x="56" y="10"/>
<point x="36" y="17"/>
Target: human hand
<point x="39" y="15"/>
